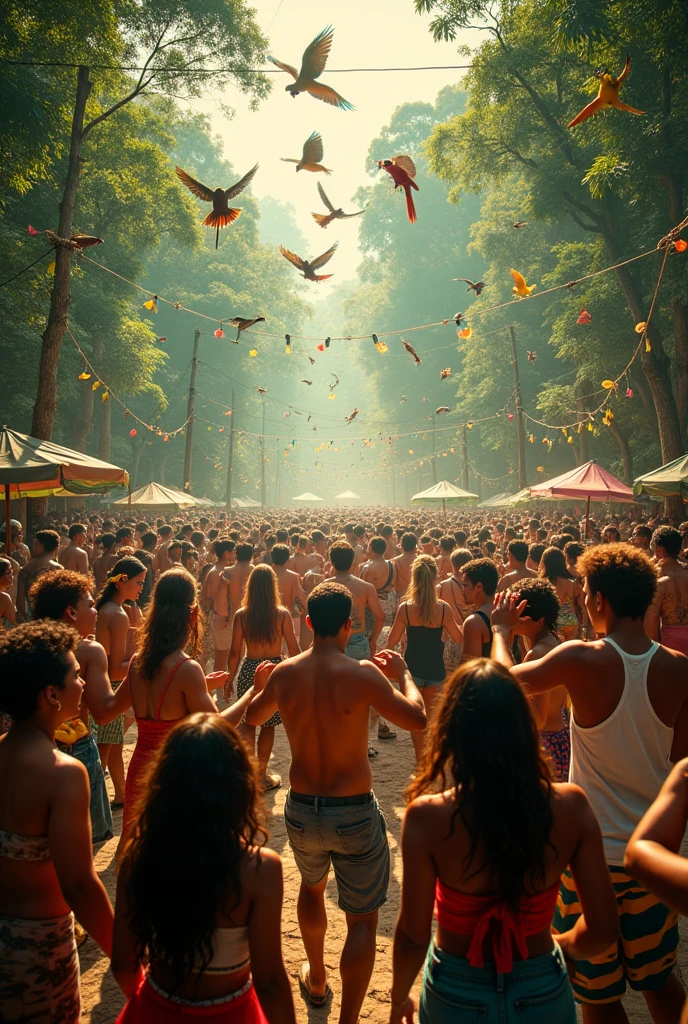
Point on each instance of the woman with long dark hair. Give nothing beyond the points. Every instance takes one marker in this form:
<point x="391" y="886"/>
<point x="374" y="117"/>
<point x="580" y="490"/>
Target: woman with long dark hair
<point x="553" y="567"/>
<point x="486" y="837"/>
<point x="423" y="617"/>
<point x="198" y="900"/>
<point x="118" y="616"/>
<point x="261" y="625"/>
<point x="165" y="682"/>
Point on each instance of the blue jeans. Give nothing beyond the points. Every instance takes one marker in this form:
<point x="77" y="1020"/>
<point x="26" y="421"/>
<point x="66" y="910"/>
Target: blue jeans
<point x="86" y="751"/>
<point x="358" y="647"/>
<point x="536" y="991"/>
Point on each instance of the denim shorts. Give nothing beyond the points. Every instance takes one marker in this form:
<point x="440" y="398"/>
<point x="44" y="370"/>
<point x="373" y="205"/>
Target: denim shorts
<point x="425" y="684"/>
<point x="536" y="991"/>
<point x="358" y="647"/>
<point x="351" y="836"/>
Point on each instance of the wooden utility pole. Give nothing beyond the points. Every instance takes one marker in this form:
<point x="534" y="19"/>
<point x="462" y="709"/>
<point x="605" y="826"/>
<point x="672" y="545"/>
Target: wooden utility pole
<point x="277" y="482"/>
<point x="230" y="459"/>
<point x="434" y="459"/>
<point x="394" y="490"/>
<point x="520" y="425"/>
<point x="191" y="413"/>
<point x="262" y="457"/>
<point x="464" y="455"/>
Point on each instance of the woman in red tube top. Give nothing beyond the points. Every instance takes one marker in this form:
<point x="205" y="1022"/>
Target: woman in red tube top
<point x="486" y="836"/>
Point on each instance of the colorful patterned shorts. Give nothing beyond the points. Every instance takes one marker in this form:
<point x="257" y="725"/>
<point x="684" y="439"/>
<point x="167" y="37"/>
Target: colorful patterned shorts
<point x="558" y="746"/>
<point x="245" y="682"/>
<point x="645" y="954"/>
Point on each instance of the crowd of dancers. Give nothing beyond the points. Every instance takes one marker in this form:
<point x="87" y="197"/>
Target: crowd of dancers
<point x="541" y="675"/>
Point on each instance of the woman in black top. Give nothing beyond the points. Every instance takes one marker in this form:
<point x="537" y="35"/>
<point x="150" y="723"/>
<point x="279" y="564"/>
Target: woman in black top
<point x="422" y="617"/>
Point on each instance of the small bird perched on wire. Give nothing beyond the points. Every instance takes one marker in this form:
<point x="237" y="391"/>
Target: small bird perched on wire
<point x="222" y="213"/>
<point x="324" y="219"/>
<point x="412" y="351"/>
<point x="520" y="286"/>
<point x="312" y="66"/>
<point x="308" y="268"/>
<point x="241" y="324"/>
<point x="477" y="287"/>
<point x="313" y="152"/>
<point x="607" y="95"/>
<point x="403" y="171"/>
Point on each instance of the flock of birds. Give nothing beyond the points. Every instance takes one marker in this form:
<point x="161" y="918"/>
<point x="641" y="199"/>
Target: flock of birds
<point x="401" y="168"/>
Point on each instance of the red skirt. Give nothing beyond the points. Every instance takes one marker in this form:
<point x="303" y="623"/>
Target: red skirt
<point x="152" y="735"/>
<point x="149" y="1006"/>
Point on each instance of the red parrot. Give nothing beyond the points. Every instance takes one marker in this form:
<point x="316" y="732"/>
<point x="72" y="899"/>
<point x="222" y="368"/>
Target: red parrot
<point x="402" y="170"/>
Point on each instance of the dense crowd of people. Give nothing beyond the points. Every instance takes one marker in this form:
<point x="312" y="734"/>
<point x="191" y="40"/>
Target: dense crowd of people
<point x="539" y="665"/>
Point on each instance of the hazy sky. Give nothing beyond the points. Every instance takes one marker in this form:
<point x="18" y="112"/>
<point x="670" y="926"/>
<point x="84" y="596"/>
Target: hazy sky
<point x="368" y="33"/>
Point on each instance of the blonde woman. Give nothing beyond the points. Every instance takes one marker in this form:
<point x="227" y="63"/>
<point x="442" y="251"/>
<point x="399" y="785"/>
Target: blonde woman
<point x="260" y="625"/>
<point x="422" y="617"/>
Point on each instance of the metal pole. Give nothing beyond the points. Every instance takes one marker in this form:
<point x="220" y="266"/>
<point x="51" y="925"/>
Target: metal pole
<point x="230" y="460"/>
<point x="464" y="453"/>
<point x="520" y="426"/>
<point x="434" y="460"/>
<point x="262" y="458"/>
<point x="8" y="516"/>
<point x="191" y="413"/>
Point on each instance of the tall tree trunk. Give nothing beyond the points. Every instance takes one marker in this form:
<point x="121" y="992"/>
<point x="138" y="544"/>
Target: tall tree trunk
<point x="104" y="431"/>
<point x="625" y="450"/>
<point x="639" y="384"/>
<point x="655" y="363"/>
<point x="137" y="456"/>
<point x="584" y="388"/>
<point x="84" y="425"/>
<point x="60" y="298"/>
<point x="679" y="312"/>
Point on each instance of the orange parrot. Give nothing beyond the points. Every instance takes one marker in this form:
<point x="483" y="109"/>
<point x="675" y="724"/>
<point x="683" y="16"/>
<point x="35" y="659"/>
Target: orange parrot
<point x="222" y="213"/>
<point x="402" y="171"/>
<point x="607" y="95"/>
<point x="313" y="152"/>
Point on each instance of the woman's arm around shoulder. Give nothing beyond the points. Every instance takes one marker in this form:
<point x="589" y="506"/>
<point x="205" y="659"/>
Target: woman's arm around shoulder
<point x="264" y="883"/>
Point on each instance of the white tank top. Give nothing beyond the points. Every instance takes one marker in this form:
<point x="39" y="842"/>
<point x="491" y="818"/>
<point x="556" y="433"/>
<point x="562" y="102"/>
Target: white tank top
<point x="621" y="764"/>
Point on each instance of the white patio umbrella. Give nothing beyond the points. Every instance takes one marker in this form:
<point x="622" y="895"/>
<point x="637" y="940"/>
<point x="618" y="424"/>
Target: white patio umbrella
<point x="246" y="503"/>
<point x="347" y="496"/>
<point x="445" y="492"/>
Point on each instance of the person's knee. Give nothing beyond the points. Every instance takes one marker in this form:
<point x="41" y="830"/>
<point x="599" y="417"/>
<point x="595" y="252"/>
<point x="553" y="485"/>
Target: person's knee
<point x="313" y="893"/>
<point x="362" y="922"/>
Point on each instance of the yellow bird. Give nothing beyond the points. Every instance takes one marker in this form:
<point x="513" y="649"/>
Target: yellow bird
<point x="607" y="94"/>
<point x="312" y="66"/>
<point x="313" y="153"/>
<point x="520" y="286"/>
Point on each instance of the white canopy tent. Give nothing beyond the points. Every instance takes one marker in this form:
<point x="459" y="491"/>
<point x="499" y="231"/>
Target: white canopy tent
<point x="348" y="498"/>
<point x="307" y="497"/>
<point x="246" y="503"/>
<point x="443" y="492"/>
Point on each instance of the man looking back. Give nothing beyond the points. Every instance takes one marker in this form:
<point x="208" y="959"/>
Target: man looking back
<point x="331" y="813"/>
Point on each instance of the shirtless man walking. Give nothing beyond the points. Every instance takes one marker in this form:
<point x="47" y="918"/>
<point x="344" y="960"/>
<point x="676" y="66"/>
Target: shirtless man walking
<point x="291" y="592"/>
<point x="214" y="603"/>
<point x="517" y="556"/>
<point x="238" y="576"/>
<point x="301" y="562"/>
<point x="331" y="813"/>
<point x="73" y="556"/>
<point x="403" y="563"/>
<point x="103" y="563"/>
<point x="364" y="596"/>
<point x="45" y="545"/>
<point x="667" y="616"/>
<point x="451" y="591"/>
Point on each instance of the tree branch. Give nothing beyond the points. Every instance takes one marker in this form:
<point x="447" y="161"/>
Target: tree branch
<point x="578" y="204"/>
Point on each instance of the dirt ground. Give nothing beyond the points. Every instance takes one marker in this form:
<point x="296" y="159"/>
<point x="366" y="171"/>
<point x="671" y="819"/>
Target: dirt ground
<point x="102" y="999"/>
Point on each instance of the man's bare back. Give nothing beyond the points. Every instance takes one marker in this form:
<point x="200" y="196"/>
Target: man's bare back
<point x="403" y="564"/>
<point x="238" y="576"/>
<point x="74" y="558"/>
<point x="290" y="589"/>
<point x="321" y="694"/>
<point x="672" y="594"/>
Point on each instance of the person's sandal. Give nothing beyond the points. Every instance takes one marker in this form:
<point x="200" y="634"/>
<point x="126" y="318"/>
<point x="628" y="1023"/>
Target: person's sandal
<point x="385" y="733"/>
<point x="271" y="782"/>
<point x="304" y="982"/>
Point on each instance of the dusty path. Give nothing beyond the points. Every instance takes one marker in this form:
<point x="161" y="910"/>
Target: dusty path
<point x="102" y="999"/>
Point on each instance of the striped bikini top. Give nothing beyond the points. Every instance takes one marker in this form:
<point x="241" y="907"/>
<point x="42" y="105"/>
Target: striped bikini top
<point x="17" y="847"/>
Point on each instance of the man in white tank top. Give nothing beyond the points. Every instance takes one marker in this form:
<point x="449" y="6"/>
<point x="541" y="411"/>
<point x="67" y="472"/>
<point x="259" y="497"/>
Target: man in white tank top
<point x="629" y="698"/>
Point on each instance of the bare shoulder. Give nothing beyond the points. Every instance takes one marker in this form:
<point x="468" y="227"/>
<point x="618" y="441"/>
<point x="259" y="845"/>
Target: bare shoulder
<point x="70" y="775"/>
<point x="427" y="812"/>
<point x="673" y="662"/>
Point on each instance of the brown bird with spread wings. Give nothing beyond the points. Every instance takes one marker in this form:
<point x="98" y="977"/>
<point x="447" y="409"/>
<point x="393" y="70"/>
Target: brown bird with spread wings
<point x="308" y="268"/>
<point x="222" y="213"/>
<point x="477" y="286"/>
<point x="313" y="153"/>
<point x="324" y="219"/>
<point x="312" y="66"/>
